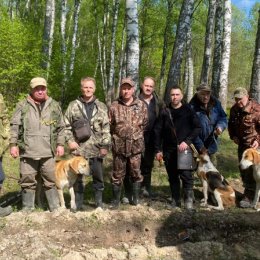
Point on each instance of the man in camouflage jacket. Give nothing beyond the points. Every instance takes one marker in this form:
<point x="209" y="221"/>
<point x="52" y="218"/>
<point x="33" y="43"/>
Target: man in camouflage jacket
<point x="96" y="147"/>
<point x="37" y="135"/>
<point x="244" y="130"/>
<point x="128" y="118"/>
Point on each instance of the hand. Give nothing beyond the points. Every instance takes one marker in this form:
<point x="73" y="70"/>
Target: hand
<point x="103" y="152"/>
<point x="60" y="150"/>
<point x="182" y="146"/>
<point x="14" y="151"/>
<point x="254" y="145"/>
<point x="73" y="145"/>
<point x="218" y="131"/>
<point x="159" y="156"/>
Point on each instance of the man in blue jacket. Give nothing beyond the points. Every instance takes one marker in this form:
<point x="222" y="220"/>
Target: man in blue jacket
<point x="213" y="120"/>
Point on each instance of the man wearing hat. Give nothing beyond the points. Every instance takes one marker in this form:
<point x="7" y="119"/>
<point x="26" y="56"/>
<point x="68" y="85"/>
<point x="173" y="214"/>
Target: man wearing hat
<point x="128" y="118"/>
<point x="37" y="136"/>
<point x="244" y="130"/>
<point x="213" y="120"/>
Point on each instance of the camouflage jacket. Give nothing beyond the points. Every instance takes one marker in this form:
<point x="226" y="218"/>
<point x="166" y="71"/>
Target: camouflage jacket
<point x="4" y="126"/>
<point x="127" y="125"/>
<point x="37" y="131"/>
<point x="245" y="124"/>
<point x="100" y="136"/>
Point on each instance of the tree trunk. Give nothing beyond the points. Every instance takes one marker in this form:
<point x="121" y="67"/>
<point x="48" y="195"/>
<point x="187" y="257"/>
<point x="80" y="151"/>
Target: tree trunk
<point x="217" y="48"/>
<point x="132" y="50"/>
<point x="165" y="46"/>
<point x="111" y="82"/>
<point x="223" y="79"/>
<point x="204" y="78"/>
<point x="255" y="78"/>
<point x="184" y="24"/>
<point x="77" y="5"/>
<point x="48" y="35"/>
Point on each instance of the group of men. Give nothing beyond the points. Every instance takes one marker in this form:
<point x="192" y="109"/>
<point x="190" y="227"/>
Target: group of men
<point x="138" y="129"/>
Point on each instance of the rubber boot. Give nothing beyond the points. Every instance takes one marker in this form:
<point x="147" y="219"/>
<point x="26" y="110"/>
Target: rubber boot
<point x="98" y="198"/>
<point x="176" y="197"/>
<point x="188" y="199"/>
<point x="53" y="199"/>
<point x="127" y="199"/>
<point x="136" y="191"/>
<point x="79" y="198"/>
<point x="5" y="211"/>
<point x="116" y="196"/>
<point x="28" y="198"/>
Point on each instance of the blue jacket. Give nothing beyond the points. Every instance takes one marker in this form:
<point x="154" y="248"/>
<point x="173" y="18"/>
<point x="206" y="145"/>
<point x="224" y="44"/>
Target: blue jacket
<point x="211" y="118"/>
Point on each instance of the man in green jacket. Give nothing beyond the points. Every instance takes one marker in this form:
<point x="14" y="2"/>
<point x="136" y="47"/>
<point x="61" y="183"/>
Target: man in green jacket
<point x="37" y="135"/>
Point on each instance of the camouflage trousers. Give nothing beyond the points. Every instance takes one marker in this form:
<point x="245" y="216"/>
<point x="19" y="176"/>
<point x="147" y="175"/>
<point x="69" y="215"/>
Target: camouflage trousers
<point x="126" y="165"/>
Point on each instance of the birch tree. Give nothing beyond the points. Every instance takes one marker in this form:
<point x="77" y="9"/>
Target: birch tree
<point x="223" y="78"/>
<point x="132" y="49"/>
<point x="111" y="81"/>
<point x="255" y="77"/>
<point x="77" y="5"/>
<point x="184" y="24"/>
<point x="217" y="48"/>
<point x="204" y="78"/>
<point x="48" y="35"/>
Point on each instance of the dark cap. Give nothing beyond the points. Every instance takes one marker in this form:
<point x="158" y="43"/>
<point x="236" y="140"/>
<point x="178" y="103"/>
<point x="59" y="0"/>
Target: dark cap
<point x="128" y="81"/>
<point x="240" y="92"/>
<point x="203" y="87"/>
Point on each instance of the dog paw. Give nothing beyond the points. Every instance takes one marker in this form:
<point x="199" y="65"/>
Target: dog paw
<point x="204" y="204"/>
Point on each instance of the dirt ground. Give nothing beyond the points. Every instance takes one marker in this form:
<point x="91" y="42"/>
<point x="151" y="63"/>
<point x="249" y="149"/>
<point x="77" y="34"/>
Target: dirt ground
<point x="147" y="231"/>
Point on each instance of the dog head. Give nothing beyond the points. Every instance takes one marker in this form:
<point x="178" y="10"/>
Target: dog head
<point x="250" y="157"/>
<point x="79" y="165"/>
<point x="205" y="163"/>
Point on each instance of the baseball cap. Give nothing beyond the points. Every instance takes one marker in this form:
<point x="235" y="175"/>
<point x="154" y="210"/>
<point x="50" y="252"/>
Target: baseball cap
<point x="127" y="81"/>
<point x="240" y="92"/>
<point x="203" y="87"/>
<point x="38" y="82"/>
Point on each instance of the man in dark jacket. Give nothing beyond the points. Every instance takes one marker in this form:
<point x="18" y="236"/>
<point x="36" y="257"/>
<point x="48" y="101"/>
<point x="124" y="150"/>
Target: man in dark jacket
<point x="244" y="130"/>
<point x="213" y="120"/>
<point x="176" y="129"/>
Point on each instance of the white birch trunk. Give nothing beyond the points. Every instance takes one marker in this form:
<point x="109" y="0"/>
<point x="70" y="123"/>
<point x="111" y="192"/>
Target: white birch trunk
<point x="184" y="24"/>
<point x="255" y="78"/>
<point x="111" y="81"/>
<point x="74" y="36"/>
<point x="223" y="79"/>
<point x="208" y="43"/>
<point x="132" y="62"/>
<point x="49" y="24"/>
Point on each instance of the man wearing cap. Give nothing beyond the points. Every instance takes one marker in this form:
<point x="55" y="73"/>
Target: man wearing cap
<point x="213" y="120"/>
<point x="96" y="147"/>
<point x="37" y="136"/>
<point x="128" y="119"/>
<point x="244" y="130"/>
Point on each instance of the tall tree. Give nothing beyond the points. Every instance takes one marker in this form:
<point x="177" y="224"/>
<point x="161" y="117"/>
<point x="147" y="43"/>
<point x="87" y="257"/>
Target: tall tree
<point x="223" y="79"/>
<point x="217" y="48"/>
<point x="48" y="35"/>
<point x="184" y="24"/>
<point x="132" y="49"/>
<point x="204" y="78"/>
<point x="255" y="78"/>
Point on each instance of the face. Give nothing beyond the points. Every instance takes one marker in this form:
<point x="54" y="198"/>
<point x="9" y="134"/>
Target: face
<point x="176" y="97"/>
<point x="39" y="93"/>
<point x="88" y="89"/>
<point x="204" y="96"/>
<point x="242" y="102"/>
<point x="126" y="92"/>
<point x="148" y="87"/>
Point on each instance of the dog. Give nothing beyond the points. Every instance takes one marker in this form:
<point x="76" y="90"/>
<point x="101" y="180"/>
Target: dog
<point x="251" y="157"/>
<point x="66" y="174"/>
<point x="214" y="182"/>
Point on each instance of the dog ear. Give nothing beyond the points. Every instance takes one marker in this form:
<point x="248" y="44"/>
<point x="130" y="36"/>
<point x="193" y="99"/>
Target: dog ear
<point x="256" y="156"/>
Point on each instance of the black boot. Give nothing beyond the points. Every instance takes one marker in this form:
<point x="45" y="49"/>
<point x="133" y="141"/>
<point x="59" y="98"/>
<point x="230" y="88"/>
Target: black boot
<point x="176" y="197"/>
<point x="188" y="199"/>
<point x="53" y="199"/>
<point x="5" y="211"/>
<point x="28" y="198"/>
<point x="128" y="191"/>
<point x="136" y="191"/>
<point x="98" y="198"/>
<point x="116" y="196"/>
<point x="79" y="198"/>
